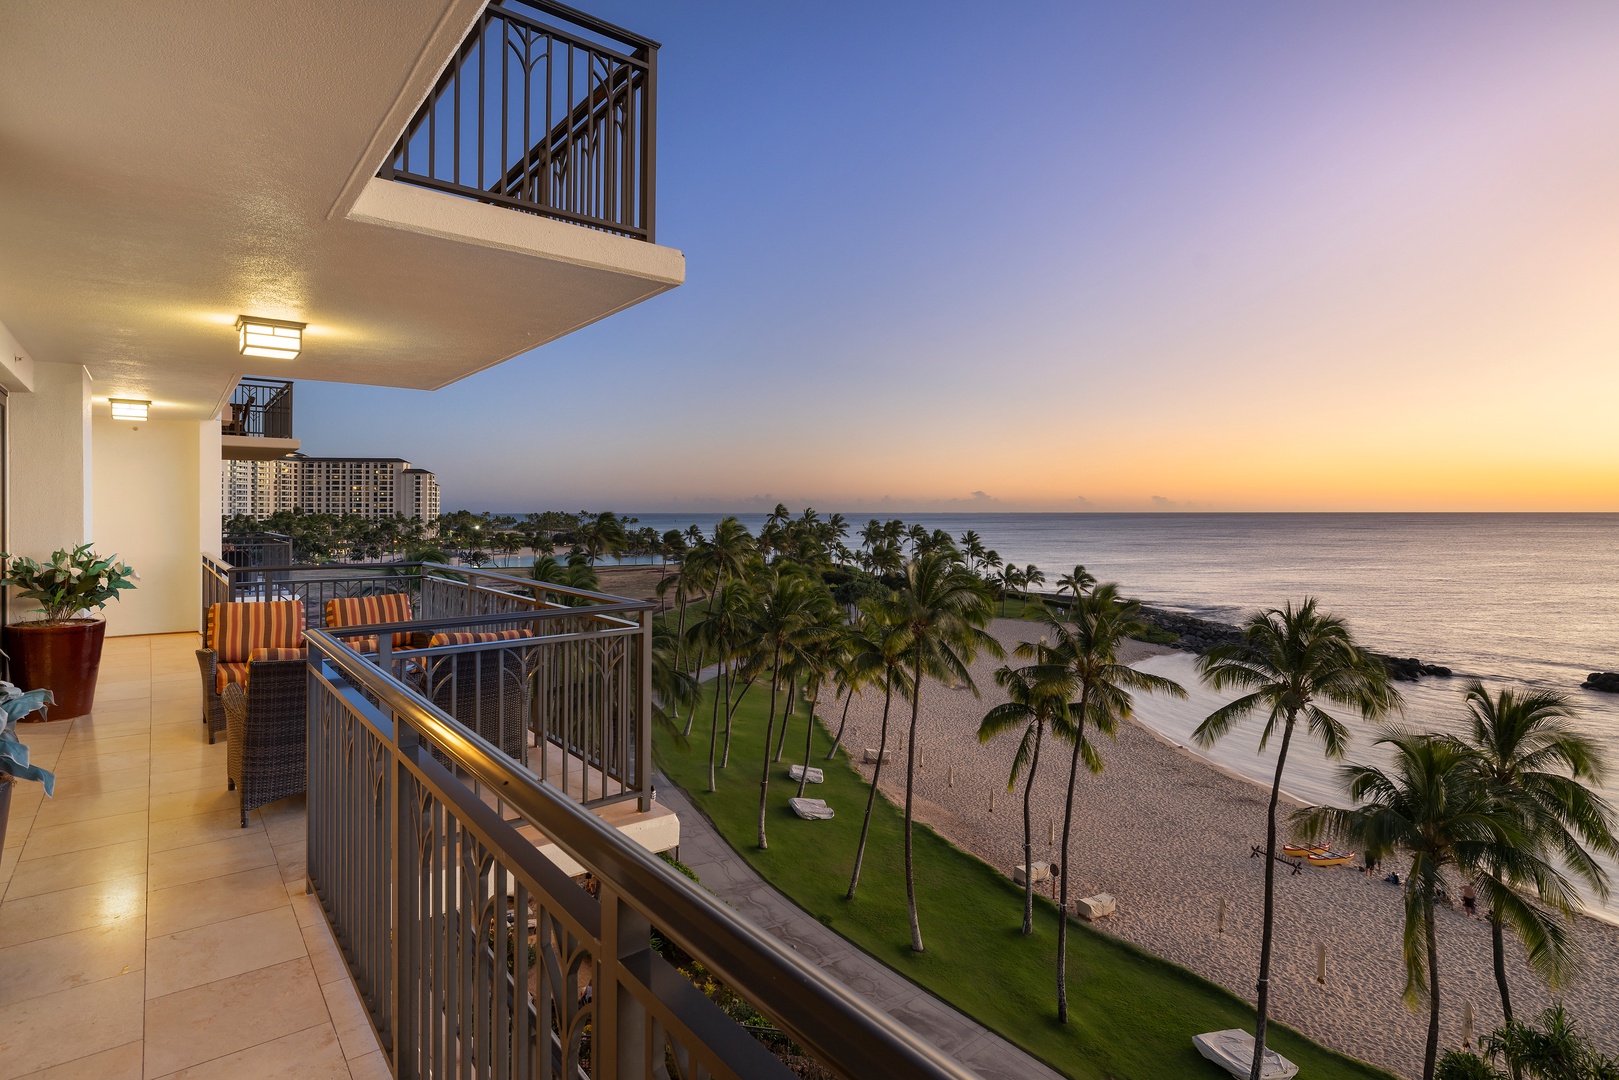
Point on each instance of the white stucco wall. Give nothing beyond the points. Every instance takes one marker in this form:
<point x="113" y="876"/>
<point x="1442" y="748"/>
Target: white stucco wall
<point x="153" y="482"/>
<point x="50" y="463"/>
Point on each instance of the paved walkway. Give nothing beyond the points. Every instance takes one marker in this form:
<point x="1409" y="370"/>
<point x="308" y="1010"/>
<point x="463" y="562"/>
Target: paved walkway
<point x="729" y="876"/>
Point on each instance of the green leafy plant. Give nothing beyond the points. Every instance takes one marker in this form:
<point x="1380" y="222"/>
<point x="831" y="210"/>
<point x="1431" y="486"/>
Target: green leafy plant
<point x="15" y="704"/>
<point x="71" y="582"/>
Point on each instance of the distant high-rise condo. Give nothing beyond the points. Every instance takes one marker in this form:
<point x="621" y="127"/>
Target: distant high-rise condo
<point x="371" y="487"/>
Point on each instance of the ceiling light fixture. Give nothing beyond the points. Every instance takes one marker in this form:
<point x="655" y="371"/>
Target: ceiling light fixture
<point x="129" y="408"/>
<point x="269" y="337"/>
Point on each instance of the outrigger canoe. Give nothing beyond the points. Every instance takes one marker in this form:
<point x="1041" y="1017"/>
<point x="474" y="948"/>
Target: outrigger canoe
<point x="1323" y="857"/>
<point x="1301" y="851"/>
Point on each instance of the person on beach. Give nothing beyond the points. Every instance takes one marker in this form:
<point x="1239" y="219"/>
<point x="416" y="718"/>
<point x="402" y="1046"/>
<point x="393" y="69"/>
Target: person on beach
<point x="1469" y="900"/>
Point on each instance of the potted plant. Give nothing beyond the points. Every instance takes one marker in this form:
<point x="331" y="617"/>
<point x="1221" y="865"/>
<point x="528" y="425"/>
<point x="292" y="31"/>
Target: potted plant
<point x="14" y="705"/>
<point x="62" y="650"/>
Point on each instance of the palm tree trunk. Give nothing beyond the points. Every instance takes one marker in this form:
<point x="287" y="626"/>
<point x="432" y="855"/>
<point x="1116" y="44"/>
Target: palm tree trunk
<point x="1262" y="998"/>
<point x="733" y="702"/>
<point x="764" y="779"/>
<point x="1431" y="1054"/>
<point x="680" y="655"/>
<point x="1028" y="837"/>
<point x="786" y="716"/>
<point x="871" y="796"/>
<point x="809" y="732"/>
<point x="714" y="727"/>
<point x="910" y="778"/>
<point x="848" y="697"/>
<point x="1062" y="869"/>
<point x="1498" y="946"/>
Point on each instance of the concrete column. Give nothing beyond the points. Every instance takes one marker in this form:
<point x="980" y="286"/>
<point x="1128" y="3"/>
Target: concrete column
<point x="51" y="504"/>
<point x="157" y="506"/>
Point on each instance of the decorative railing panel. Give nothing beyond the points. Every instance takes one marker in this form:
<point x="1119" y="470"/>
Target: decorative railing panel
<point x="543" y="109"/>
<point x="261" y="408"/>
<point x="476" y="956"/>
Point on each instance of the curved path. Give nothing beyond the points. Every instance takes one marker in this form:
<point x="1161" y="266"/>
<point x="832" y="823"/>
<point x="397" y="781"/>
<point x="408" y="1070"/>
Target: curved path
<point x="728" y="876"/>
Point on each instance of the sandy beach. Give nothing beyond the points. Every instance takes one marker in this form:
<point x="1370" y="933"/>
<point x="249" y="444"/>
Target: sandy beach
<point x="1169" y="835"/>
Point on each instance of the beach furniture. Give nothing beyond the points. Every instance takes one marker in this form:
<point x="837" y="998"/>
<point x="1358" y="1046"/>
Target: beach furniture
<point x="816" y="776"/>
<point x="872" y="755"/>
<point x="1233" y="1051"/>
<point x="1257" y="852"/>
<point x="1042" y="872"/>
<point x="810" y="809"/>
<point x="1324" y="857"/>
<point x="1096" y="907"/>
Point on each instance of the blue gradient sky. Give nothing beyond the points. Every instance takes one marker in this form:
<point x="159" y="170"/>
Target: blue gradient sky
<point x="1242" y="256"/>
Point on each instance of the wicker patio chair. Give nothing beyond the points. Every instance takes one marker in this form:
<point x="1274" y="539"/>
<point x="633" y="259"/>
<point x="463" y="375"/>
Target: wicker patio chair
<point x="232" y="632"/>
<point x="379" y="608"/>
<point x="485" y="690"/>
<point x="266" y="725"/>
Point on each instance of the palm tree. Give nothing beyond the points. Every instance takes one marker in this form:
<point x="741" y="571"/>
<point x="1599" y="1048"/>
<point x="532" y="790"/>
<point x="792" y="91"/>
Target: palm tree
<point x="1032" y="576"/>
<point x="716" y="635"/>
<point x="1428" y="804"/>
<point x="1086" y="648"/>
<point x="942" y="611"/>
<point x="672" y="685"/>
<point x="1077" y="582"/>
<point x="601" y="534"/>
<point x="972" y="546"/>
<point x="850" y="674"/>
<point x="1039" y="697"/>
<point x="1539" y="768"/>
<point x="792" y="615"/>
<point x="822" y="657"/>
<point x="1009" y="581"/>
<point x="877" y="644"/>
<point x="1287" y="660"/>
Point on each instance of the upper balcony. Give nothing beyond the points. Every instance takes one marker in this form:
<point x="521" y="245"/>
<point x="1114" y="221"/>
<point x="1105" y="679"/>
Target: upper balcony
<point x="257" y="424"/>
<point x="546" y="110"/>
<point x="432" y="189"/>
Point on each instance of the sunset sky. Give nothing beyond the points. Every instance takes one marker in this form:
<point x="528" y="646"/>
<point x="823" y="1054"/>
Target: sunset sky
<point x="1240" y="256"/>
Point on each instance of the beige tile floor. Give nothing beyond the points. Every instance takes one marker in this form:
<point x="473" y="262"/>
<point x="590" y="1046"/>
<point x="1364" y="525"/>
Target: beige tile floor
<point x="143" y="932"/>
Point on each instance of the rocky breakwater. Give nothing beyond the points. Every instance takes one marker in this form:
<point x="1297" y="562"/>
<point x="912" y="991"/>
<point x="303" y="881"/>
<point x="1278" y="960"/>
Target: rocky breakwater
<point x="1193" y="634"/>
<point x="1605" y="681"/>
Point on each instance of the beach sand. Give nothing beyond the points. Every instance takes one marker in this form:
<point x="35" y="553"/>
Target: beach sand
<point x="1169" y="835"/>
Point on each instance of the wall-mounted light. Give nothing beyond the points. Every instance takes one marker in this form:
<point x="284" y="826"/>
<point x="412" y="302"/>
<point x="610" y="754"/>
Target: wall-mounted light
<point x="269" y="337"/>
<point x="129" y="409"/>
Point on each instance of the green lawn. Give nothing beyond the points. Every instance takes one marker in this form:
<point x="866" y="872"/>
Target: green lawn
<point x="1132" y="1015"/>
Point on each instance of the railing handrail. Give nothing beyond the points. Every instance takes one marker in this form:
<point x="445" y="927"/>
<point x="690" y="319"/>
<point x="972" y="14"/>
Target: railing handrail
<point x="580" y="18"/>
<point x="618" y="602"/>
<point x="835" y="1024"/>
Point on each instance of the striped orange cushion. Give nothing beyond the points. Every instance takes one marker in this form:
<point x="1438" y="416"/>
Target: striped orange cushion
<point x="371" y="610"/>
<point x="236" y="629"/>
<point x="476" y="639"/>
<point x="278" y="654"/>
<point x="227" y="672"/>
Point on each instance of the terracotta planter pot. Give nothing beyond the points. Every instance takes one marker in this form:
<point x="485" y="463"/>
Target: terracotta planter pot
<point x="63" y="658"/>
<point x="5" y="810"/>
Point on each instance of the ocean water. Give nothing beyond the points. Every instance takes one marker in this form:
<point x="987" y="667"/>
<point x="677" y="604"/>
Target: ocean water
<point x="1511" y="599"/>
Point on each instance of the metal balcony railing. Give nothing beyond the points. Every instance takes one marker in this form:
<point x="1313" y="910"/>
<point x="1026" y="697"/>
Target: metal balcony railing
<point x="473" y="953"/>
<point x="543" y="109"/>
<point x="261" y="408"/>
<point x="257" y="549"/>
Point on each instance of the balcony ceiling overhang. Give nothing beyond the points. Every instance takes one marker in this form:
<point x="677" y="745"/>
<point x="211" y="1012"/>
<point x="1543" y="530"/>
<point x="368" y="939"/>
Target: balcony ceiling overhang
<point x="166" y="167"/>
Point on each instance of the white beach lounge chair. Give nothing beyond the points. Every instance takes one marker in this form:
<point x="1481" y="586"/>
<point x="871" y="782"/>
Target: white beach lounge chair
<point x="1099" y="907"/>
<point x="871" y="756"/>
<point x="816" y="776"/>
<point x="1233" y="1050"/>
<point x="811" y="809"/>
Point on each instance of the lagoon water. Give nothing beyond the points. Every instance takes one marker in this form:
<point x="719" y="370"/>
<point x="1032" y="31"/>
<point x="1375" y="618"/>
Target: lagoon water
<point x="1507" y="598"/>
